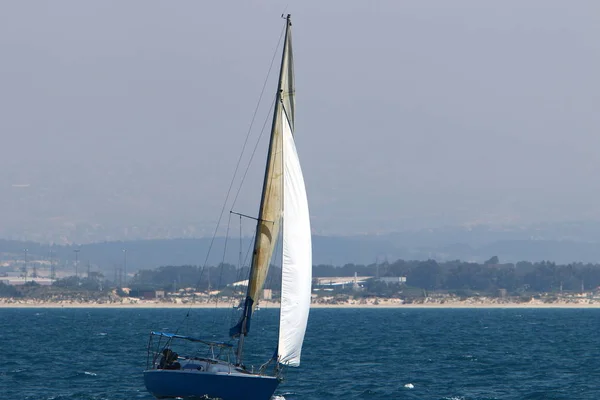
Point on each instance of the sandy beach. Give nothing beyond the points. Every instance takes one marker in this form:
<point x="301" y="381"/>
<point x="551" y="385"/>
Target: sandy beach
<point x="370" y="304"/>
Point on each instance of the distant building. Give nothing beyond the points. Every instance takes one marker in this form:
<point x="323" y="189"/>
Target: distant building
<point x="340" y="280"/>
<point x="16" y="281"/>
<point x="391" y="280"/>
<point x="240" y="283"/>
<point x="267" y="294"/>
<point x="149" y="295"/>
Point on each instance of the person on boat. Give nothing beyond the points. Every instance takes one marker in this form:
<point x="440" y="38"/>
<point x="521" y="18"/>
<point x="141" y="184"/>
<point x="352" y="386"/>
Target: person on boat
<point x="164" y="360"/>
<point x="172" y="362"/>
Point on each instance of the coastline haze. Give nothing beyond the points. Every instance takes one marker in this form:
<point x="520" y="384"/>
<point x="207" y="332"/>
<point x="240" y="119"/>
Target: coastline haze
<point x="125" y="120"/>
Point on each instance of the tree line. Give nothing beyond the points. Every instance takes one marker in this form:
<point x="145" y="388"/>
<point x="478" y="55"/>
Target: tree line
<point x="487" y="277"/>
<point x="429" y="275"/>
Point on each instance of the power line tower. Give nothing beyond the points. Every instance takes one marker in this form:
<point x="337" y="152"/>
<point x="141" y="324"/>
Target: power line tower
<point x="125" y="266"/>
<point x="76" y="262"/>
<point x="24" y="269"/>
<point x="52" y="266"/>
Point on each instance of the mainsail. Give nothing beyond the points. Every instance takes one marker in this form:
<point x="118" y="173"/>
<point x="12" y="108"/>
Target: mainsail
<point x="271" y="205"/>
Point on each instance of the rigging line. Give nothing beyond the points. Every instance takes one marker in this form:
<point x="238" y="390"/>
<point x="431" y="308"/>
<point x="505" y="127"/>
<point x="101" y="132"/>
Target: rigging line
<point x="187" y="314"/>
<point x="250" y="246"/>
<point x="234" y="301"/>
<point x="243" y="149"/>
<point x="250" y="217"/>
<point x="223" y="261"/>
<point x="200" y="279"/>
<point x="237" y="297"/>
<point x="245" y="260"/>
<point x="240" y="275"/>
<point x="253" y="153"/>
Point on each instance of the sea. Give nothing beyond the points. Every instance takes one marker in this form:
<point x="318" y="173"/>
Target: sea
<point x="449" y="354"/>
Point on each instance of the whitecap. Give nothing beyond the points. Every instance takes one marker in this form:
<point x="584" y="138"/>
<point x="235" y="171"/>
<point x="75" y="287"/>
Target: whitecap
<point x="409" y="386"/>
<point x="90" y="373"/>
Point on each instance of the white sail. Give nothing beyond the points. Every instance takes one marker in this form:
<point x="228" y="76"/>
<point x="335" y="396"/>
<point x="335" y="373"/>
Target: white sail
<point x="297" y="256"/>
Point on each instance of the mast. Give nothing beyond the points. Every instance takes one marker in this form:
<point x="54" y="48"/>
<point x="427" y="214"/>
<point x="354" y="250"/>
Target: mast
<point x="271" y="204"/>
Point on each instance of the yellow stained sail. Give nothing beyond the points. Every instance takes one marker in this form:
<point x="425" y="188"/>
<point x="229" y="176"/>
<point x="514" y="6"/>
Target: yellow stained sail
<point x="272" y="199"/>
<point x="271" y="206"/>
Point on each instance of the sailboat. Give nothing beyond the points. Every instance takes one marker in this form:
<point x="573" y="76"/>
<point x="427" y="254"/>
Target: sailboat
<point x="221" y="373"/>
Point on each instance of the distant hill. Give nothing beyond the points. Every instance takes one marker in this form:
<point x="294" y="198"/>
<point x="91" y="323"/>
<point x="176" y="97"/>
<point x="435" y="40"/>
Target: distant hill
<point x="143" y="254"/>
<point x="476" y="245"/>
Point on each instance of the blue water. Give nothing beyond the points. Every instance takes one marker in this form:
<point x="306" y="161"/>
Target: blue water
<point x="465" y="354"/>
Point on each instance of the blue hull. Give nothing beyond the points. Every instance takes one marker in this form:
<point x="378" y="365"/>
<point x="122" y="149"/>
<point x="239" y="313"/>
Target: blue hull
<point x="166" y="384"/>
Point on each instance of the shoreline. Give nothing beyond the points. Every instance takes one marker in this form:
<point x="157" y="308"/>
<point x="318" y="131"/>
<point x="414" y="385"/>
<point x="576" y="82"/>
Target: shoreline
<point x="377" y="304"/>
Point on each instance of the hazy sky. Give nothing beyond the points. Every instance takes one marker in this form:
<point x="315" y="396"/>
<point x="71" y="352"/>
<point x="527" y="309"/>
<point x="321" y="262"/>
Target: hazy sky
<point x="122" y="114"/>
